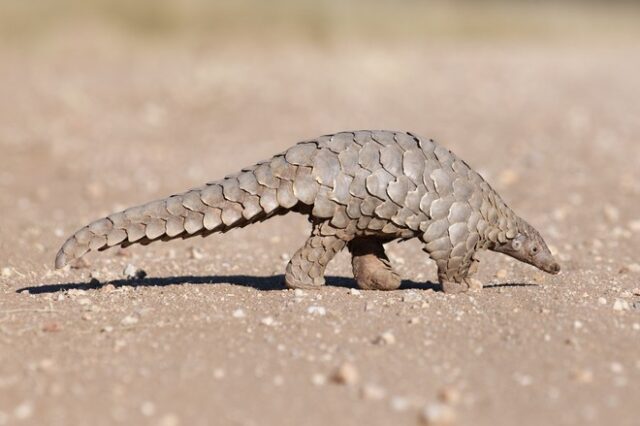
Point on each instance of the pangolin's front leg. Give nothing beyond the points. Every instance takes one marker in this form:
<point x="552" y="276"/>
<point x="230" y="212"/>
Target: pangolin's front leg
<point x="306" y="267"/>
<point x="371" y="266"/>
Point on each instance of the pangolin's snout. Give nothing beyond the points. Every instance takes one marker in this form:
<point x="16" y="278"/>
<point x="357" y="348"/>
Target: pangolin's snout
<point x="554" y="268"/>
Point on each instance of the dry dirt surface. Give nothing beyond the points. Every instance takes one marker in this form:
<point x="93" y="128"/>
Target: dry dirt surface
<point x="211" y="336"/>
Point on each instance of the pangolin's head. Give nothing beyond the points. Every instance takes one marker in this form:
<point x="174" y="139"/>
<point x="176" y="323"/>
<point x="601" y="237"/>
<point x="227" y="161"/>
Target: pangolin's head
<point x="529" y="247"/>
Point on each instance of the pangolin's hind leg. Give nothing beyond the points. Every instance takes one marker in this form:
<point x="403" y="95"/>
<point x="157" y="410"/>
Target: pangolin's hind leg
<point x="307" y="266"/>
<point x="371" y="267"/>
<point x="456" y="273"/>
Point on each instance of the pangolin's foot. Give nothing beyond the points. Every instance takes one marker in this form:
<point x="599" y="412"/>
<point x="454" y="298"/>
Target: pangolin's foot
<point x="306" y="267"/>
<point x="467" y="284"/>
<point x="371" y="267"/>
<point x="296" y="280"/>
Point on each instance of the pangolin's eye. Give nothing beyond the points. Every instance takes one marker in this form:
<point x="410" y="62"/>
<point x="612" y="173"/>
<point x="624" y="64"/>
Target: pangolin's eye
<point x="534" y="249"/>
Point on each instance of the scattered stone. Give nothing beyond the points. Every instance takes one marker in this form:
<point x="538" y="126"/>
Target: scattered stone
<point x="616" y="367"/>
<point x="195" y="253"/>
<point x="131" y="272"/>
<point x="602" y="301"/>
<point x="318" y="379"/>
<point x="47" y="365"/>
<point x="502" y="274"/>
<point x="634" y="268"/>
<point x="317" y="310"/>
<point x="386" y="338"/>
<point x="52" y="327"/>
<point x="284" y="256"/>
<point x="346" y="374"/>
<point x="372" y="392"/>
<point x="437" y="415"/>
<point x="354" y="292"/>
<point x="218" y="373"/>
<point x="636" y="291"/>
<point x="411" y="297"/>
<point x="298" y="292"/>
<point x="611" y="213"/>
<point x="84" y="301"/>
<point x="6" y="272"/>
<point x="414" y="320"/>
<point x="108" y="288"/>
<point x="508" y="177"/>
<point x="148" y="409"/>
<point x="169" y="420"/>
<point x="449" y="395"/>
<point x="268" y="321"/>
<point x="107" y="329"/>
<point x="23" y="411"/>
<point x="129" y="320"/>
<point x="399" y="403"/>
<point x="582" y="376"/>
<point x="239" y="313"/>
<point x="577" y="324"/>
<point x="634" y="225"/>
<point x="620" y="305"/>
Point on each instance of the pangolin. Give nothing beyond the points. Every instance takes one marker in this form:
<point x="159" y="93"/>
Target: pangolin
<point x="360" y="190"/>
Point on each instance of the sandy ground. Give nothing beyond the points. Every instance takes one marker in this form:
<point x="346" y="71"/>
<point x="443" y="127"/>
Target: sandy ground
<point x="212" y="337"/>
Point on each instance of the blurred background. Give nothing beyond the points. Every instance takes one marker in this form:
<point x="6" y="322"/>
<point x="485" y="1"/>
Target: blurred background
<point x="106" y="104"/>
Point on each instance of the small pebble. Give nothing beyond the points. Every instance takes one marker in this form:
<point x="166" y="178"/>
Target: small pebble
<point x="582" y="376"/>
<point x="52" y="327"/>
<point x="107" y="329"/>
<point x="129" y="320"/>
<point x="298" y="292"/>
<point x="437" y="414"/>
<point x="318" y="379"/>
<point x="611" y="213"/>
<point x="195" y="253"/>
<point x="239" y="313"/>
<point x="508" y="177"/>
<point x="345" y="374"/>
<point x="399" y="403"/>
<point x="218" y="373"/>
<point x="634" y="267"/>
<point x="616" y="367"/>
<point x="620" y="305"/>
<point x="501" y="274"/>
<point x="108" y="288"/>
<point x="131" y="272"/>
<point x="386" y="338"/>
<point x="372" y="392"/>
<point x="355" y="292"/>
<point x="602" y="301"/>
<point x="6" y="272"/>
<point x="23" y="411"/>
<point x="148" y="409"/>
<point x="449" y="395"/>
<point x="268" y="321"/>
<point x="634" y="225"/>
<point x="317" y="310"/>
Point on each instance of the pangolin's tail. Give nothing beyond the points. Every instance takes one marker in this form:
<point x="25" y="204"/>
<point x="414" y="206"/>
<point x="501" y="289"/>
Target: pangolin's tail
<point x="254" y="194"/>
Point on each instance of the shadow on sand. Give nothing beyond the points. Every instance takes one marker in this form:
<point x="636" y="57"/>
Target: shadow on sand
<point x="267" y="283"/>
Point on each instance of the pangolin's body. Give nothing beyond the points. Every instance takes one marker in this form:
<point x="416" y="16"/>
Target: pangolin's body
<point x="360" y="189"/>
